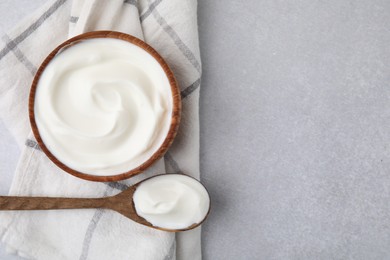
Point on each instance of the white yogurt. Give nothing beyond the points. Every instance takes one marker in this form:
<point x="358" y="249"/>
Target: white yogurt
<point x="172" y="201"/>
<point x="103" y="106"/>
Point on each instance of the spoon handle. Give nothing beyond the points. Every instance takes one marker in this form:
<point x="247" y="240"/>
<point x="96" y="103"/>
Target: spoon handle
<point x="44" y="203"/>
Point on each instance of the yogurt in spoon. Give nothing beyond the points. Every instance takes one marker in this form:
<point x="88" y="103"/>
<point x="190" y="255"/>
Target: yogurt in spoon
<point x="172" y="201"/>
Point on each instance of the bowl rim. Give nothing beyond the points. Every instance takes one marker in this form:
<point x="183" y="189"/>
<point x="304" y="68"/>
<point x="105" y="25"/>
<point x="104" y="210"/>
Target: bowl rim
<point x="175" y="116"/>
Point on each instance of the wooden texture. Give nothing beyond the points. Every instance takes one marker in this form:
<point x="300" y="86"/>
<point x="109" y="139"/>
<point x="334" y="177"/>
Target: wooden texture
<point x="122" y="203"/>
<point x="175" y="117"/>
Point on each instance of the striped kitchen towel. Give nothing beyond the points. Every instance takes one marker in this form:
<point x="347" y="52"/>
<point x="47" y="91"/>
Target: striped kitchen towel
<point x="171" y="28"/>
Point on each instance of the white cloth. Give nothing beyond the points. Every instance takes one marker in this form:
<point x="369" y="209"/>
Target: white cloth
<point x="171" y="28"/>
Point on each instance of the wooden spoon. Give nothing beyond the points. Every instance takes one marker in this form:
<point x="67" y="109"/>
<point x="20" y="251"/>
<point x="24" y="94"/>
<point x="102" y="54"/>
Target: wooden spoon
<point x="122" y="203"/>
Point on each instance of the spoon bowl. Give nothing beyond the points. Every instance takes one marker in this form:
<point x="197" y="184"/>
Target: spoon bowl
<point x="122" y="203"/>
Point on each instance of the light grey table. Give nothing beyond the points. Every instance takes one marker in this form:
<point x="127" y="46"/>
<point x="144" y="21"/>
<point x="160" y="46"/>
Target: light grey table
<point x="295" y="127"/>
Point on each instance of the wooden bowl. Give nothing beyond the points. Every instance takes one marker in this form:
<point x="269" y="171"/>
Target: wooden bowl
<point x="175" y="117"/>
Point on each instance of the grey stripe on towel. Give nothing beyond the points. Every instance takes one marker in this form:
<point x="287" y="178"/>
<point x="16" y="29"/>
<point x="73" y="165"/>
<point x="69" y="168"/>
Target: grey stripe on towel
<point x="190" y="89"/>
<point x="32" y="144"/>
<point x="88" y="235"/>
<point x="31" y="28"/>
<point x="171" y="252"/>
<point x="169" y="159"/>
<point x="151" y="7"/>
<point x="176" y="39"/>
<point x="73" y="19"/>
<point x="131" y="2"/>
<point x="19" y="55"/>
<point x="91" y="229"/>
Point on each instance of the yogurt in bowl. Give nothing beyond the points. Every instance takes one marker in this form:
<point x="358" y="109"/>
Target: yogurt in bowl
<point x="104" y="106"/>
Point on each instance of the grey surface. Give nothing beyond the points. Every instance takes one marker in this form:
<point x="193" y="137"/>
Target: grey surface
<point x="295" y="127"/>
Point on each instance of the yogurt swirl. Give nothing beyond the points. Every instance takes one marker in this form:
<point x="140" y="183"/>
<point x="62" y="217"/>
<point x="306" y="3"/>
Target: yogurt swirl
<point x="103" y="106"/>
